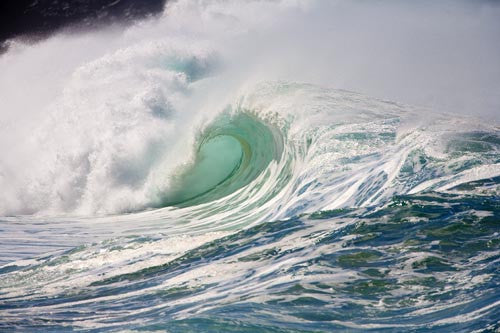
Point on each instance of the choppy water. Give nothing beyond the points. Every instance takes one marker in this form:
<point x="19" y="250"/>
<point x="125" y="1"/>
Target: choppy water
<point x="157" y="198"/>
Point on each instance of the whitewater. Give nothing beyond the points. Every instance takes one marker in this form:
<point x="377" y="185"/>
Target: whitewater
<point x="199" y="172"/>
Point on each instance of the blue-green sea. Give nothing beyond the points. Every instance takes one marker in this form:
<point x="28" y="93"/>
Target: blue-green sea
<point x="173" y="179"/>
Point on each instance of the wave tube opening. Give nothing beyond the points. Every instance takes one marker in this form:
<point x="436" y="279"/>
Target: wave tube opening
<point x="230" y="154"/>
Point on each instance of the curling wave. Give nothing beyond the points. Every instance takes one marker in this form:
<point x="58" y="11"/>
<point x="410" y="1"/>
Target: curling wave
<point x="232" y="152"/>
<point x="172" y="185"/>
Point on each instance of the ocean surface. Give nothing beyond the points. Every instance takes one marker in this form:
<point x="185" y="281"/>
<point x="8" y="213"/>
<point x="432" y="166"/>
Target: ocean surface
<point x="165" y="184"/>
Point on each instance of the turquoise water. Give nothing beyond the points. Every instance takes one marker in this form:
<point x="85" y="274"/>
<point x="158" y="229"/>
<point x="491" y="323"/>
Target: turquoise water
<point x="237" y="245"/>
<point x="181" y="175"/>
<point x="225" y="160"/>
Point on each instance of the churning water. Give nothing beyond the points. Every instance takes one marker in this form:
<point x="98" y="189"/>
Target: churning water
<point x="171" y="178"/>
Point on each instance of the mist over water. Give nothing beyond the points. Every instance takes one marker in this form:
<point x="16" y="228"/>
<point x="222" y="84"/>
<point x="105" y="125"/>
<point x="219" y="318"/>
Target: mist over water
<point x="443" y="56"/>
<point x="255" y="166"/>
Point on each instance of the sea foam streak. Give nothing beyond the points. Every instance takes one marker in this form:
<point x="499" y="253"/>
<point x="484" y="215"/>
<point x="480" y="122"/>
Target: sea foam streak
<point x="172" y="178"/>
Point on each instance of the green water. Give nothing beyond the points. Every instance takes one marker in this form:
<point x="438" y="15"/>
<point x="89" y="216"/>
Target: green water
<point x="224" y="161"/>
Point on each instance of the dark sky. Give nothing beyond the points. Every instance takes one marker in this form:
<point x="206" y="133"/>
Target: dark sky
<point x="37" y="19"/>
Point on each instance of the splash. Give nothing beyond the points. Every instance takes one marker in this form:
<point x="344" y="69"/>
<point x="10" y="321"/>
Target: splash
<point x="180" y="176"/>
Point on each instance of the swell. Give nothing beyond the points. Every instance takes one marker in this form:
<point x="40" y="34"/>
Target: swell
<point x="412" y="264"/>
<point x="335" y="211"/>
<point x="351" y="152"/>
<point x="175" y="184"/>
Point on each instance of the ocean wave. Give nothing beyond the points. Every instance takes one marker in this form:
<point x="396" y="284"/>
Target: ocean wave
<point x="170" y="179"/>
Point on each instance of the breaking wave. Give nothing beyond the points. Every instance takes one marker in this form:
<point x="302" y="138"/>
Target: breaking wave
<point x="166" y="187"/>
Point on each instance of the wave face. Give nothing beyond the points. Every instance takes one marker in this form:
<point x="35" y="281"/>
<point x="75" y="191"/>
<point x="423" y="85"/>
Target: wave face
<point x="171" y="183"/>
